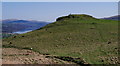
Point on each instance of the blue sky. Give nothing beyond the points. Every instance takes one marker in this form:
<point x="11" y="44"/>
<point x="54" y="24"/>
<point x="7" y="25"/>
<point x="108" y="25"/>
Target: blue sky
<point x="49" y="11"/>
<point x="60" y="0"/>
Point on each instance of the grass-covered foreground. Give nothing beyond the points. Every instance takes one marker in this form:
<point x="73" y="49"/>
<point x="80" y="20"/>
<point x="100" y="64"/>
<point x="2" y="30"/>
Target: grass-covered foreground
<point x="77" y="36"/>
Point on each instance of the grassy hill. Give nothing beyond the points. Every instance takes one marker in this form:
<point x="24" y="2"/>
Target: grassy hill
<point x="95" y="41"/>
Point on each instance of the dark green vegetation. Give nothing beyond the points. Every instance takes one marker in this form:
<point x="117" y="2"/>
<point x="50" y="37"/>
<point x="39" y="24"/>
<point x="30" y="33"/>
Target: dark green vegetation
<point x="77" y="36"/>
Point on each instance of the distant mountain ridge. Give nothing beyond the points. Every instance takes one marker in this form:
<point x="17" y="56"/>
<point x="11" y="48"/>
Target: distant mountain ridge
<point x="117" y="17"/>
<point x="14" y="25"/>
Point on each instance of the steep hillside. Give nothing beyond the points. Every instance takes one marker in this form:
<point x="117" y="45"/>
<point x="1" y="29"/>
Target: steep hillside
<point x="90" y="40"/>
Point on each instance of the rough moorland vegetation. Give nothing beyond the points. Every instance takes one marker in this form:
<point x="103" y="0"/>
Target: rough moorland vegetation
<point x="95" y="41"/>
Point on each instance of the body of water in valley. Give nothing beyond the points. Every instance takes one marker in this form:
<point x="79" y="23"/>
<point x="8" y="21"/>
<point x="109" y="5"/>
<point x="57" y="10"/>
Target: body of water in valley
<point x="21" y="32"/>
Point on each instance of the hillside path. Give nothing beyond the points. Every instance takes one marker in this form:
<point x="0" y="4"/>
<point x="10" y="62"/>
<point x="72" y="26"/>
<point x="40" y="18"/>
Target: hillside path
<point x="22" y="56"/>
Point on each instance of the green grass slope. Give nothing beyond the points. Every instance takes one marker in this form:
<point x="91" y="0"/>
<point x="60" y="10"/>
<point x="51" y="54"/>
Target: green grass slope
<point x="81" y="36"/>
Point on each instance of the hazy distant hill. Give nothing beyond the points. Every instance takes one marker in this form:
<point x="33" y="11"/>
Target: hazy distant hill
<point x="113" y="18"/>
<point x="13" y="25"/>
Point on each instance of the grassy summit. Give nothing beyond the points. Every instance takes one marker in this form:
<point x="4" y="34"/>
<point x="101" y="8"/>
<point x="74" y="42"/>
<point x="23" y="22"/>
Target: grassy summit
<point x="73" y="16"/>
<point x="81" y="36"/>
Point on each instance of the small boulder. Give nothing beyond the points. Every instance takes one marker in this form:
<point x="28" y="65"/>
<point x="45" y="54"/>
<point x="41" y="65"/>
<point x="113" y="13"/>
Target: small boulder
<point x="23" y="36"/>
<point x="109" y="42"/>
<point x="14" y="37"/>
<point x="102" y="60"/>
<point x="10" y="42"/>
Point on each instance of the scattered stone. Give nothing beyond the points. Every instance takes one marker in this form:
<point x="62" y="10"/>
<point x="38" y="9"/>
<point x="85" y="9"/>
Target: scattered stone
<point x="56" y="45"/>
<point x="10" y="42"/>
<point x="86" y="63"/>
<point x="29" y="51"/>
<point x="102" y="60"/>
<point x="14" y="37"/>
<point x="26" y="59"/>
<point x="23" y="36"/>
<point x="68" y="38"/>
<point x="112" y="59"/>
<point x="109" y="42"/>
<point x="116" y="57"/>
<point x="114" y="63"/>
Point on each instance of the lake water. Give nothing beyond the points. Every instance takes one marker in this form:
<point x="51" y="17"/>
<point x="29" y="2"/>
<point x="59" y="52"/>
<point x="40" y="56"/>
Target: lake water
<point x="21" y="32"/>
